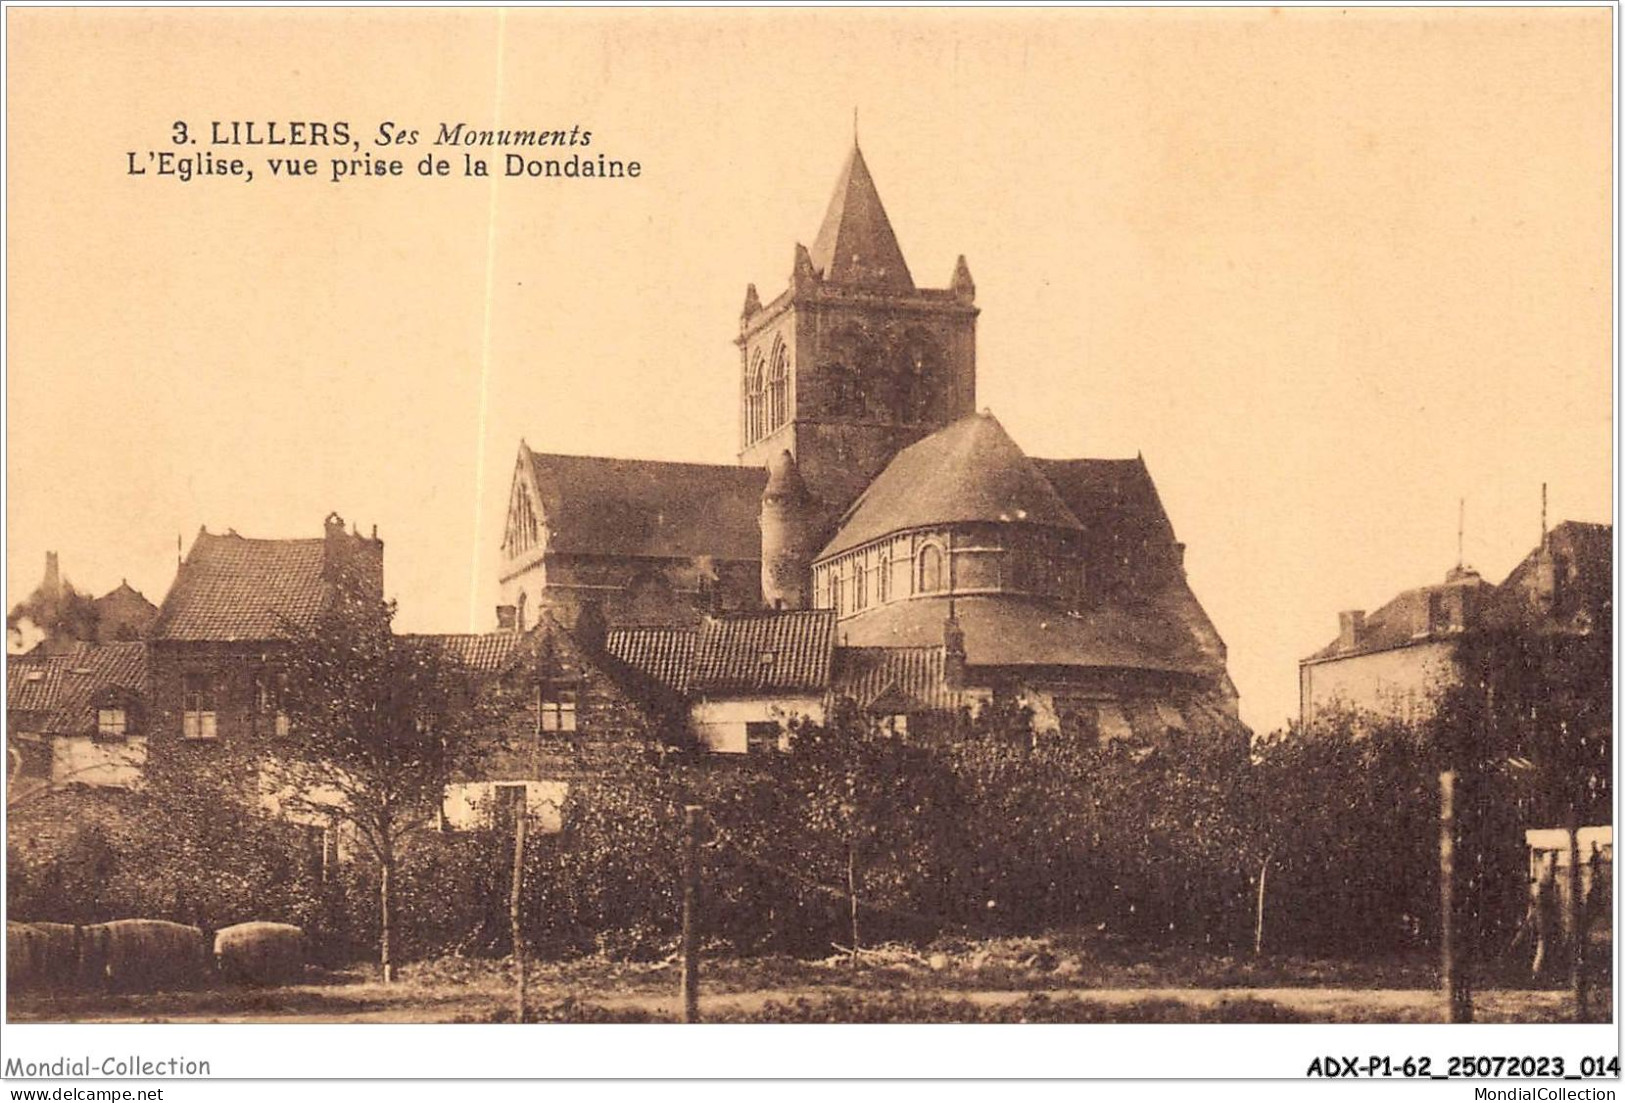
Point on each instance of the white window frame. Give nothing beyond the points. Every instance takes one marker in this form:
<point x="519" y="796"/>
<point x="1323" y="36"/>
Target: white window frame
<point x="198" y="722"/>
<point x="112" y="722"/>
<point x="557" y="710"/>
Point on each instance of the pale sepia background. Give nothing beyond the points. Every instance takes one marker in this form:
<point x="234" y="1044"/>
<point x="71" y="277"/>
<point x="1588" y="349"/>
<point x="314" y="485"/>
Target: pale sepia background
<point x="1329" y="271"/>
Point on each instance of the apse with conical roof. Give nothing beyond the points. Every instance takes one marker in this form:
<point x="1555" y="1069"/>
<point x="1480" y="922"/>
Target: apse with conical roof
<point x="852" y="361"/>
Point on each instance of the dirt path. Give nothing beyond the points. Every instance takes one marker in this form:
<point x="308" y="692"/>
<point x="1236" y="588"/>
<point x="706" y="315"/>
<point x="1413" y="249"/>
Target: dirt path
<point x="374" y="1003"/>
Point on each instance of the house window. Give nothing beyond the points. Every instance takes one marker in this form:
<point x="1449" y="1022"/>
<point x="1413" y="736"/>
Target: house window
<point x="524" y="600"/>
<point x="269" y="691"/>
<point x="835" y="591"/>
<point x="883" y="582"/>
<point x="762" y="736"/>
<point x="860" y="586"/>
<point x="557" y="709"/>
<point x="929" y="579"/>
<point x="197" y="707"/>
<point x="112" y="722"/>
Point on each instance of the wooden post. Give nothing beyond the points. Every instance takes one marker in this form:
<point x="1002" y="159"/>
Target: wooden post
<point x="691" y="918"/>
<point x="852" y="895"/>
<point x="514" y="897"/>
<point x="1574" y="920"/>
<point x="385" y="895"/>
<point x="1449" y="966"/>
<point x="1258" y="927"/>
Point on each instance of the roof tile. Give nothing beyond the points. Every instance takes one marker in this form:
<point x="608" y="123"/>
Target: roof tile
<point x="785" y="650"/>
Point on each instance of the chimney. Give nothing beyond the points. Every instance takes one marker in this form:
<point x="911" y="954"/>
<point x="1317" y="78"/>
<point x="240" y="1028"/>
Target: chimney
<point x="1350" y="627"/>
<point x="53" y="578"/>
<point x="953" y="650"/>
<point x="591" y="630"/>
<point x="507" y="618"/>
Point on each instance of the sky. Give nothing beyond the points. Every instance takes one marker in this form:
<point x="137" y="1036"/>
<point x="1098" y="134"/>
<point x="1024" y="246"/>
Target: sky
<point x="1331" y="272"/>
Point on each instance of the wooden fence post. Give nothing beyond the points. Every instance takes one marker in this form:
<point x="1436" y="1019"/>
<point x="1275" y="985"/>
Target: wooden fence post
<point x="691" y="918"/>
<point x="514" y="914"/>
<point x="1458" y="997"/>
<point x="1575" y="920"/>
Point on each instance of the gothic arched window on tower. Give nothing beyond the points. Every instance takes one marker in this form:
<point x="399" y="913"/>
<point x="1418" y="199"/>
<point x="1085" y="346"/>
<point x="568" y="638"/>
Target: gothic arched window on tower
<point x="755" y="401"/>
<point x="928" y="580"/>
<point x="778" y="387"/>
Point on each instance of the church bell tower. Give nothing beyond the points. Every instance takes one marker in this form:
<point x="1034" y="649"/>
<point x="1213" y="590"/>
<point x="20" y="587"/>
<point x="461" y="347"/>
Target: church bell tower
<point x="852" y="362"/>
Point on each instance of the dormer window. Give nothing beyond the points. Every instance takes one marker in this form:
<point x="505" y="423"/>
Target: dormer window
<point x="112" y="722"/>
<point x="556" y="709"/>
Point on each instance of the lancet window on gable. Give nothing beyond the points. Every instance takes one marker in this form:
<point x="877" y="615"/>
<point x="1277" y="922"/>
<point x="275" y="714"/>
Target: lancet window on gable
<point x="524" y="530"/>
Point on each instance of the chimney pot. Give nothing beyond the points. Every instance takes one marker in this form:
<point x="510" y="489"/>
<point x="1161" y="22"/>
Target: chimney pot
<point x="1350" y="627"/>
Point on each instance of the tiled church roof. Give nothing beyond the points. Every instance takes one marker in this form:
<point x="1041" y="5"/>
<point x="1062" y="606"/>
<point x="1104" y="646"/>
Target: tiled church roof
<point x="1008" y="631"/>
<point x="649" y="508"/>
<point x="968" y="471"/>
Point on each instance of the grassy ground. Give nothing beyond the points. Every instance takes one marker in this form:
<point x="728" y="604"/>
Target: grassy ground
<point x="1004" y="980"/>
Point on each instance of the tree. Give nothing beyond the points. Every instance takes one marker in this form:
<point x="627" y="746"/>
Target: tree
<point x="376" y="724"/>
<point x="67" y="615"/>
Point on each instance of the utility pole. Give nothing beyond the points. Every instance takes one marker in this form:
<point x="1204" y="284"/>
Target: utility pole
<point x="691" y="918"/>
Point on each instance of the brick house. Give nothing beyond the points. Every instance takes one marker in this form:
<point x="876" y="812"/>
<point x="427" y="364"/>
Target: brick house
<point x="76" y="716"/>
<point x="214" y="646"/>
<point x="556" y="706"/>
<point x="1396" y="661"/>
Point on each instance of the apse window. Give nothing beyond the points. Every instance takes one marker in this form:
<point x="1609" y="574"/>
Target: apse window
<point x="930" y="569"/>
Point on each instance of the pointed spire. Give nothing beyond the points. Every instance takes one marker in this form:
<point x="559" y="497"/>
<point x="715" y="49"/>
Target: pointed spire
<point x="963" y="287"/>
<point x="856" y="244"/>
<point x="753" y="302"/>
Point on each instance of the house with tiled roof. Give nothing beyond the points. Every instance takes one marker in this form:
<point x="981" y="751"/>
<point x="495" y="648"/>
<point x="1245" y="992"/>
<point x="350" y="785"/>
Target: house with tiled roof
<point x="77" y="716"/>
<point x="869" y="489"/>
<point x="555" y="705"/>
<point x="1395" y="662"/>
<point x="123" y="613"/>
<point x="216" y="642"/>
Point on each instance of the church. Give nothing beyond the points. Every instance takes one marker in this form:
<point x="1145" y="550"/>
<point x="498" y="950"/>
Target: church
<point x="875" y="510"/>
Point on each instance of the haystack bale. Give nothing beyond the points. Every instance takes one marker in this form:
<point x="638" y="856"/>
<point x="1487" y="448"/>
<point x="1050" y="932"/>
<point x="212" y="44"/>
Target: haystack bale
<point x="260" y="953"/>
<point x="141" y="955"/>
<point x="41" y="955"/>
